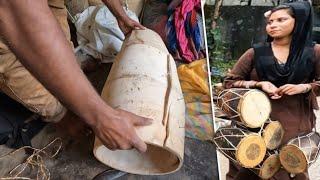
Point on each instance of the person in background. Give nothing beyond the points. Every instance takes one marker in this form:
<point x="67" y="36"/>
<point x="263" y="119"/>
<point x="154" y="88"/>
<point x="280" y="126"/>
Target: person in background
<point x="287" y="68"/>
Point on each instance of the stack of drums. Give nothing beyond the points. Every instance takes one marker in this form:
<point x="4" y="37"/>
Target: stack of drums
<point x="253" y="139"/>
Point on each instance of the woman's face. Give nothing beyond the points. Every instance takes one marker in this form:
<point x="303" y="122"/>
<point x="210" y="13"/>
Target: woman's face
<point x="280" y="24"/>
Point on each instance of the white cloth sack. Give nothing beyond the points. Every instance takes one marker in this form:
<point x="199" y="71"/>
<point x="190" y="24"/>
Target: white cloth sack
<point x="98" y="32"/>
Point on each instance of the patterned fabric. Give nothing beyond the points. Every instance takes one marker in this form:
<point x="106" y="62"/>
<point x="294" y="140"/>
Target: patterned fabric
<point x="195" y="87"/>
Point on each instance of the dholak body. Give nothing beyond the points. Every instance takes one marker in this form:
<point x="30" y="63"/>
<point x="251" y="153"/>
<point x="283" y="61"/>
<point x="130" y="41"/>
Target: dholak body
<point x="143" y="80"/>
<point x="269" y="167"/>
<point x="245" y="148"/>
<point x="272" y="134"/>
<point x="250" y="107"/>
<point x="300" y="153"/>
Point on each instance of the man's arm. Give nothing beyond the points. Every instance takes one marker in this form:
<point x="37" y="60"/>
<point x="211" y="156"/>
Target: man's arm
<point x="35" y="37"/>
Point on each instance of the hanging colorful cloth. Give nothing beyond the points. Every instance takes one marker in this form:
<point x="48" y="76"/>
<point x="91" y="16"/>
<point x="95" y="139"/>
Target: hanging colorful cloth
<point x="180" y="17"/>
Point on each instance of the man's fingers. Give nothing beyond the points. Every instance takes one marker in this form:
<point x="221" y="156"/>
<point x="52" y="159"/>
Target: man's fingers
<point x="109" y="140"/>
<point x="137" y="120"/>
<point x="138" y="143"/>
<point x="137" y="25"/>
<point x="122" y="140"/>
<point x="142" y="121"/>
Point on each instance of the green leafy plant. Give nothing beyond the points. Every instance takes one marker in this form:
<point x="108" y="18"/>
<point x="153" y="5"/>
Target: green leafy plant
<point x="217" y="50"/>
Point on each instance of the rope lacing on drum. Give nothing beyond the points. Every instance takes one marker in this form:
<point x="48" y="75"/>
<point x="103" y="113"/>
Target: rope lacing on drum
<point x="224" y="137"/>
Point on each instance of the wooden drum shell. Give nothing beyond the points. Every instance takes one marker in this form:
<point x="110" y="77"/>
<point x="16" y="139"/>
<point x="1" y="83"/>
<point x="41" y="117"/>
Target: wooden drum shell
<point x="143" y="80"/>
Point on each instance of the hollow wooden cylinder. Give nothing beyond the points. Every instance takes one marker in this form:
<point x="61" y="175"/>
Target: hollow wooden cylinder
<point x="143" y="80"/>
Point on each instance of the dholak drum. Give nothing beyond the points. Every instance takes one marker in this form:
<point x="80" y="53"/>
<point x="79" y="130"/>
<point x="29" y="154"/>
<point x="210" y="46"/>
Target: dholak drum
<point x="269" y="167"/>
<point x="245" y="148"/>
<point x="272" y="134"/>
<point x="251" y="107"/>
<point x="300" y="153"/>
<point x="144" y="80"/>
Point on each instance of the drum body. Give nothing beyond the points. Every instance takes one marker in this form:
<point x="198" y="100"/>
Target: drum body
<point x="143" y="80"/>
<point x="300" y="153"/>
<point x="269" y="167"/>
<point x="272" y="134"/>
<point x="244" y="148"/>
<point x="250" y="107"/>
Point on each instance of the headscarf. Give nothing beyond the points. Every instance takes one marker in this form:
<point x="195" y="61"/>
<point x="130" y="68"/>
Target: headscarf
<point x="299" y="63"/>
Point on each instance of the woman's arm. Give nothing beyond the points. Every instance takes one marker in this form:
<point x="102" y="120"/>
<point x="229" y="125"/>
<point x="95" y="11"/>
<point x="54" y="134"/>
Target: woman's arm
<point x="315" y="85"/>
<point x="240" y="71"/>
<point x="238" y="76"/>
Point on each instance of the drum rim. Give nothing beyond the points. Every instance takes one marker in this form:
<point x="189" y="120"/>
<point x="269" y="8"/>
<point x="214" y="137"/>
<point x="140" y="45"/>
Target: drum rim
<point x="239" y="107"/>
<point x="267" y="127"/>
<point x="114" y="166"/>
<point x="261" y="157"/>
<point x="264" y="164"/>
<point x="305" y="160"/>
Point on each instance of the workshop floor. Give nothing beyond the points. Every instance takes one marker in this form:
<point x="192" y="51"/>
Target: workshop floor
<point x="76" y="160"/>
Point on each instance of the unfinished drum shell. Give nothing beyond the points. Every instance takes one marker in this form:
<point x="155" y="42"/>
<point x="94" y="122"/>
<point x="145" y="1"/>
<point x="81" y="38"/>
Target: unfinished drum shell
<point x="144" y="80"/>
<point x="250" y="107"/>
<point x="300" y="153"/>
<point x="245" y="148"/>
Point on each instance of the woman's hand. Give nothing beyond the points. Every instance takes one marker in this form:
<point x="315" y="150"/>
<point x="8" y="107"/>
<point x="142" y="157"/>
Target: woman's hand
<point x="269" y="88"/>
<point x="292" y="89"/>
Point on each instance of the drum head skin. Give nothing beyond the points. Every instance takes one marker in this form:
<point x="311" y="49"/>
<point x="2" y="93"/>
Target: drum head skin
<point x="254" y="108"/>
<point x="270" y="167"/>
<point x="251" y="151"/>
<point x="293" y="159"/>
<point x="273" y="134"/>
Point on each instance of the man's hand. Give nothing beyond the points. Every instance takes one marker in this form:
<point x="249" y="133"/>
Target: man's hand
<point x="37" y="40"/>
<point x="117" y="131"/>
<point x="127" y="25"/>
<point x="269" y="88"/>
<point x="292" y="89"/>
